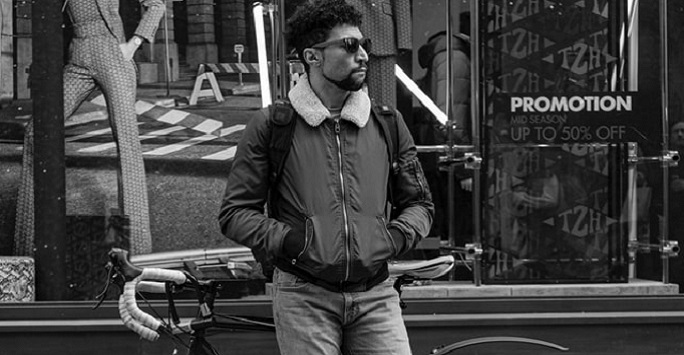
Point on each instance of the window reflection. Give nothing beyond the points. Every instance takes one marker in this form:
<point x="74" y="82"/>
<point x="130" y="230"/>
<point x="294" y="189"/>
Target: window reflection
<point x="187" y="149"/>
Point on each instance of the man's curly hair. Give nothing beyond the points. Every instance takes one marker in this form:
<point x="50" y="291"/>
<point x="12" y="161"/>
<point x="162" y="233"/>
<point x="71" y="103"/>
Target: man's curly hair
<point x="313" y="21"/>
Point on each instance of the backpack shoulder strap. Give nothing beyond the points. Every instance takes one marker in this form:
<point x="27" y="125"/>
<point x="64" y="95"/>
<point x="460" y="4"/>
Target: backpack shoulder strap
<point x="386" y="117"/>
<point x="281" y="122"/>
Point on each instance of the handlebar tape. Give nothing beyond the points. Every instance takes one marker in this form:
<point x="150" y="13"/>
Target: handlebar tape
<point x="132" y="324"/>
<point x="133" y="317"/>
<point x="158" y="274"/>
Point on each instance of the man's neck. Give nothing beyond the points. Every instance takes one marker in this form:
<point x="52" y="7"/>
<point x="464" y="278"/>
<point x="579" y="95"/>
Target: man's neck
<point x="330" y="95"/>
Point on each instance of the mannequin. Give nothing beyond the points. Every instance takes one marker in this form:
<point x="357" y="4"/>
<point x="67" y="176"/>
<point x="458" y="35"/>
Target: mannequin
<point x="101" y="57"/>
<point x="388" y="24"/>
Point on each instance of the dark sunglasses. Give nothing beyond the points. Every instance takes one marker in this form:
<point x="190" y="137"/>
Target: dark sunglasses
<point x="350" y="44"/>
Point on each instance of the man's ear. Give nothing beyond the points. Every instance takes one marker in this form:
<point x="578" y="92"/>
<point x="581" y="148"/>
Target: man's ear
<point x="312" y="56"/>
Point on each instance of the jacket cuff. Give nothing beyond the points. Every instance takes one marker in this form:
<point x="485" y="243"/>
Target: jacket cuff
<point x="398" y="238"/>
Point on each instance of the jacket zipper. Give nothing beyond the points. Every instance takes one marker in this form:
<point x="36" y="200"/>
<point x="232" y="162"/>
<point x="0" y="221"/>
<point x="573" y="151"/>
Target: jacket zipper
<point x="420" y="182"/>
<point x="344" y="202"/>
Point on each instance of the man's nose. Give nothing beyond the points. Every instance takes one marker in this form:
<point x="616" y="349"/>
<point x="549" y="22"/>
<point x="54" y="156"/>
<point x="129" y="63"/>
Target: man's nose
<point x="361" y="54"/>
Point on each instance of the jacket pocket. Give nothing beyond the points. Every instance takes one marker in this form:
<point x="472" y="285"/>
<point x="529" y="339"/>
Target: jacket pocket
<point x="387" y="235"/>
<point x="323" y="245"/>
<point x="308" y="237"/>
<point x="374" y="244"/>
<point x="414" y="185"/>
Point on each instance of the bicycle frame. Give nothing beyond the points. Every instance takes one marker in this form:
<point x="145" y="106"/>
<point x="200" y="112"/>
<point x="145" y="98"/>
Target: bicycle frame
<point x="134" y="281"/>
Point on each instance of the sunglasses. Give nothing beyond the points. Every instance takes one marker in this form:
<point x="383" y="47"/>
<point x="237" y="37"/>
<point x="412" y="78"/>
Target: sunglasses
<point x="350" y="44"/>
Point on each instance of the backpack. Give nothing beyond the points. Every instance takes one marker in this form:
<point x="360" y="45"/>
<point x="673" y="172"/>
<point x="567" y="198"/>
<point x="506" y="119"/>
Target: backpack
<point x="282" y="126"/>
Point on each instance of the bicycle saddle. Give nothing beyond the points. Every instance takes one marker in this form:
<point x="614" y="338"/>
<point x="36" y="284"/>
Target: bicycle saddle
<point x="422" y="269"/>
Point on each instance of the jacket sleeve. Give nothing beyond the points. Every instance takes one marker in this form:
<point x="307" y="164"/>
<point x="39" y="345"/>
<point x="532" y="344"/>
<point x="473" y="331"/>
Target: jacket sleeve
<point x="411" y="193"/>
<point x="241" y="216"/>
<point x="147" y="27"/>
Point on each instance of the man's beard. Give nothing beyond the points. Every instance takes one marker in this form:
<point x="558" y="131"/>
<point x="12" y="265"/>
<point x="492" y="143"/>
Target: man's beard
<point x="348" y="83"/>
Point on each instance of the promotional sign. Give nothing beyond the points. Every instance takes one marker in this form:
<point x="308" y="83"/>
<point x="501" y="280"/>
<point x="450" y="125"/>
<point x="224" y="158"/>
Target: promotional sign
<point x="576" y="118"/>
<point x="557" y="120"/>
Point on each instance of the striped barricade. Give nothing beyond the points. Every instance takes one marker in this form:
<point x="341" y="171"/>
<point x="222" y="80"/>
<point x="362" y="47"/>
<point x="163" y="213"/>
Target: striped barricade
<point x="207" y="71"/>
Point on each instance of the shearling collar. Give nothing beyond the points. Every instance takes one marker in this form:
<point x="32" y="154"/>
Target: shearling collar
<point x="356" y="108"/>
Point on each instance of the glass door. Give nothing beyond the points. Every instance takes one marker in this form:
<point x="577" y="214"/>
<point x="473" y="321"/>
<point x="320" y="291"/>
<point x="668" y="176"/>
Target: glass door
<point x="567" y="143"/>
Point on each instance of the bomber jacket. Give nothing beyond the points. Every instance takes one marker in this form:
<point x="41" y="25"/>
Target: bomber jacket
<point x="333" y="188"/>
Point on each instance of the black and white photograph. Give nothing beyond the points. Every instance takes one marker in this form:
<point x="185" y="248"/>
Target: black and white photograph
<point x="341" y="177"/>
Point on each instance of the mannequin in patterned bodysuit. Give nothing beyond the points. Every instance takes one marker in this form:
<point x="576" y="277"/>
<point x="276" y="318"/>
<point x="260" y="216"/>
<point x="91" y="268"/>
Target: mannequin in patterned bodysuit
<point x="100" y="56"/>
<point x="388" y="24"/>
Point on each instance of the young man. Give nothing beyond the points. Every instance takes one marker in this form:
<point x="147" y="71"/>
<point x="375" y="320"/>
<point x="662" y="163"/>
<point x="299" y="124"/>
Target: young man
<point x="327" y="231"/>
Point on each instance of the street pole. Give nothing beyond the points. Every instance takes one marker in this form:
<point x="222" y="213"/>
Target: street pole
<point x="476" y="132"/>
<point x="664" y="102"/>
<point x="284" y="65"/>
<point x="49" y="169"/>
<point x="167" y="59"/>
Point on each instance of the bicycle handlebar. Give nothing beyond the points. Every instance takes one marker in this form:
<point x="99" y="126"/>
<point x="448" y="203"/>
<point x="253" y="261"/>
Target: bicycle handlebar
<point x="155" y="280"/>
<point x="133" y="317"/>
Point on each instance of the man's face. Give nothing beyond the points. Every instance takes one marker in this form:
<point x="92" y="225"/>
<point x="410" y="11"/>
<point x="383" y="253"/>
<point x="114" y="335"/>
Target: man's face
<point x="677" y="135"/>
<point x="344" y="69"/>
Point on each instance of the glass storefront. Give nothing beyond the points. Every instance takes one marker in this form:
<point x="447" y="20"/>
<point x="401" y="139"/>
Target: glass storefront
<point x="562" y="172"/>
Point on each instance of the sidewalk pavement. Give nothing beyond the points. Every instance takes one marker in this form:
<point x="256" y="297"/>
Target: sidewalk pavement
<point x="177" y="94"/>
<point x="173" y="95"/>
<point x="184" y="190"/>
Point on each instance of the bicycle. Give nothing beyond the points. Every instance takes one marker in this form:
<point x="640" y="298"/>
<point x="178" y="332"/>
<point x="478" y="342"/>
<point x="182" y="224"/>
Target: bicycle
<point x="133" y="281"/>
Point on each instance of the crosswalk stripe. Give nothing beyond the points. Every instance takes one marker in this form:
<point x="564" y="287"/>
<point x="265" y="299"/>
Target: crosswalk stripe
<point x="95" y="133"/>
<point x="232" y="129"/>
<point x="161" y="132"/>
<point x="208" y="126"/>
<point x="149" y="135"/>
<point x="98" y="148"/>
<point x="171" y="116"/>
<point x="90" y="134"/>
<point x="171" y="148"/>
<point x="222" y="155"/>
<point x="142" y="107"/>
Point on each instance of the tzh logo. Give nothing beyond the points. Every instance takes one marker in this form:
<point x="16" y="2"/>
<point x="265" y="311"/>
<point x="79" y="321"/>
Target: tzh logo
<point x="581" y="221"/>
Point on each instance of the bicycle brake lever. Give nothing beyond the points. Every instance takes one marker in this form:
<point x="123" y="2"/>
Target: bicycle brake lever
<point x="110" y="275"/>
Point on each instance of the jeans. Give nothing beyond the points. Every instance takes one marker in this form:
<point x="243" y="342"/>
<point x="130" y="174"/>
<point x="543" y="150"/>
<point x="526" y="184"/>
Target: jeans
<point x="312" y="320"/>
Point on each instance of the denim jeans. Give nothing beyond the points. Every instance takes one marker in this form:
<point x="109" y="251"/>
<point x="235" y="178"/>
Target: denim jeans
<point x="312" y="320"/>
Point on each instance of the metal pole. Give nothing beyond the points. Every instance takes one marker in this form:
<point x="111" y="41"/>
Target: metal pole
<point x="476" y="106"/>
<point x="258" y="14"/>
<point x="48" y="170"/>
<point x="451" y="173"/>
<point x="664" y="89"/>
<point x="167" y="62"/>
<point x="284" y="66"/>
<point x="274" y="52"/>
